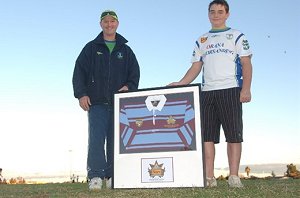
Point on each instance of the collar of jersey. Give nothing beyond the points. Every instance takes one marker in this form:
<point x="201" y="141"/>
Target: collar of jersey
<point x="219" y="30"/>
<point x="162" y="100"/>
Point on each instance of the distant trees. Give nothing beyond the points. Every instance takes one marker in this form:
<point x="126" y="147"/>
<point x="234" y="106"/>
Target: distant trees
<point x="273" y="174"/>
<point x="247" y="170"/>
<point x="12" y="181"/>
<point x="292" y="171"/>
<point x="18" y="180"/>
<point x="3" y="181"/>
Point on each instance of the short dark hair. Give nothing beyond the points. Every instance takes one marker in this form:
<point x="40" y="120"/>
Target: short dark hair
<point x="219" y="2"/>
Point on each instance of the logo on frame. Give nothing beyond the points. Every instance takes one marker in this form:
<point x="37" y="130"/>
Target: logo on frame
<point x="156" y="170"/>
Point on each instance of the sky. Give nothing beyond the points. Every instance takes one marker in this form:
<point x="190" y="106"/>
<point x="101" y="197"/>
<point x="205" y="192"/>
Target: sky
<point x="43" y="131"/>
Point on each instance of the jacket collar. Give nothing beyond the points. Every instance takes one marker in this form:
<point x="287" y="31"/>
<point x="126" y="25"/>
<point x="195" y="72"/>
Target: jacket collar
<point x="120" y="40"/>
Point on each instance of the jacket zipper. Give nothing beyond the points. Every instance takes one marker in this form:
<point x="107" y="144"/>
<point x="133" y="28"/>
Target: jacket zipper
<point x="108" y="84"/>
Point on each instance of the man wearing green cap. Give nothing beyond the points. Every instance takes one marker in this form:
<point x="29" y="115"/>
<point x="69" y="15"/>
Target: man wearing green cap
<point x="105" y="66"/>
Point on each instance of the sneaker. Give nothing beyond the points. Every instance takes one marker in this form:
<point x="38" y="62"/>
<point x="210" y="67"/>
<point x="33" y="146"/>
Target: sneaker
<point x="211" y="182"/>
<point x="95" y="183"/>
<point x="234" y="182"/>
<point x="108" y="183"/>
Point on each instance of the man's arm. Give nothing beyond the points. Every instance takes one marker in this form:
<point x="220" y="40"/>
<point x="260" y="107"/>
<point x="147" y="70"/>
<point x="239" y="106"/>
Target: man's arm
<point x="247" y="79"/>
<point x="133" y="77"/>
<point x="190" y="75"/>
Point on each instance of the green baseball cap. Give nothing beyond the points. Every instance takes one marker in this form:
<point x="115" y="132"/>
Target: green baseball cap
<point x="108" y="13"/>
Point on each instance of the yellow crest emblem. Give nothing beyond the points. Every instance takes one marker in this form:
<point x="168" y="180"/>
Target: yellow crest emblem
<point x="139" y="122"/>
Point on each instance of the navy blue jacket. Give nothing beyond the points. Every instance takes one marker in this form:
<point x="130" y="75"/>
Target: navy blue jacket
<point x="99" y="74"/>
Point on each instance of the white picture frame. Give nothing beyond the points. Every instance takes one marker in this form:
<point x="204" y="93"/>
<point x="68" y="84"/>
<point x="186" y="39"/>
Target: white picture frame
<point x="157" y="138"/>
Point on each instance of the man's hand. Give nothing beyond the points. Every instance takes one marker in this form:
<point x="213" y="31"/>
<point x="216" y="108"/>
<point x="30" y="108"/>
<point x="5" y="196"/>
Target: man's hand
<point x="124" y="88"/>
<point x="85" y="103"/>
<point x="245" y="96"/>
<point x="174" y="84"/>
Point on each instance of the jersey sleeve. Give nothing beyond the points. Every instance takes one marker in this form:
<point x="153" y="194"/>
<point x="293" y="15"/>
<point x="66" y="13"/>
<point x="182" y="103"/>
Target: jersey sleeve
<point x="196" y="57"/>
<point x="242" y="46"/>
<point x="125" y="129"/>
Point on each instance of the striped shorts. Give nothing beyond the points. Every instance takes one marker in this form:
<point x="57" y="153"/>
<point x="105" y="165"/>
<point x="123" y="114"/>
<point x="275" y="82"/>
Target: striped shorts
<point x="222" y="108"/>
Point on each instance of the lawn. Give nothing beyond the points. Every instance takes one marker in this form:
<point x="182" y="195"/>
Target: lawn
<point x="253" y="188"/>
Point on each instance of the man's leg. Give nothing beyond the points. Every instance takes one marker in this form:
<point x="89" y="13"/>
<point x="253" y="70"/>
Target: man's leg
<point x="234" y="151"/>
<point x="209" y="148"/>
<point x="230" y="109"/>
<point x="210" y="125"/>
<point x="96" y="162"/>
<point x="109" y="145"/>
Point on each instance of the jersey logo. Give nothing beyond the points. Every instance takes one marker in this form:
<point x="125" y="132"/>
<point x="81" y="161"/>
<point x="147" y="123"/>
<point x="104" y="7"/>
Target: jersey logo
<point x="171" y="123"/>
<point x="171" y="120"/>
<point x="245" y="45"/>
<point x="194" y="53"/>
<point x="203" y="39"/>
<point x="119" y="55"/>
<point x="139" y="122"/>
<point x="229" y="36"/>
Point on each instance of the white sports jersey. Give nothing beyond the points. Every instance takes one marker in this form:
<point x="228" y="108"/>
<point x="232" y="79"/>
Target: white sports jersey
<point x="220" y="52"/>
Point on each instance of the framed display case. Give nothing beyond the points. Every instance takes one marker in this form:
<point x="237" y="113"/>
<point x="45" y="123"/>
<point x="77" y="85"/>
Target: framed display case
<point x="157" y="138"/>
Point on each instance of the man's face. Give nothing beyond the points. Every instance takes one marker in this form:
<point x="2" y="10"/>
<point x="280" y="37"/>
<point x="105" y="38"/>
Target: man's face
<point x="109" y="25"/>
<point x="217" y="16"/>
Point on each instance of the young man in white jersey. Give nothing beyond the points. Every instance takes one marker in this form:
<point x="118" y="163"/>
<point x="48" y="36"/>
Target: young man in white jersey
<point x="225" y="56"/>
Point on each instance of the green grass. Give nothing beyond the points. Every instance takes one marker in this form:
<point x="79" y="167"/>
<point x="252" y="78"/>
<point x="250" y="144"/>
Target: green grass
<point x="253" y="188"/>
